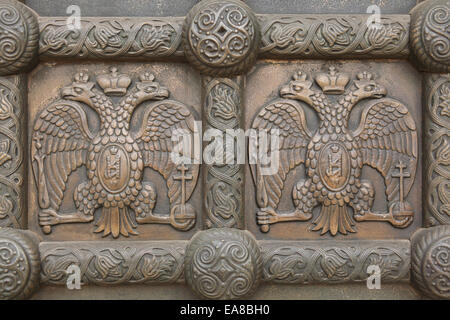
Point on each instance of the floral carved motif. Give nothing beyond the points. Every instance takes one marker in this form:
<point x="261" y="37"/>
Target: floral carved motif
<point x="314" y="262"/>
<point x="108" y="38"/>
<point x="12" y="105"/>
<point x="224" y="196"/>
<point x="337" y="36"/>
<point x="110" y="264"/>
<point x="437" y="150"/>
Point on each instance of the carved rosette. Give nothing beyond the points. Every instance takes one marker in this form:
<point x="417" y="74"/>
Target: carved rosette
<point x="12" y="197"/>
<point x="223" y="264"/>
<point x="431" y="262"/>
<point x="224" y="199"/>
<point x="221" y="37"/>
<point x="19" y="264"/>
<point x="105" y="263"/>
<point x="19" y="33"/>
<point x="430" y="35"/>
<point x="437" y="150"/>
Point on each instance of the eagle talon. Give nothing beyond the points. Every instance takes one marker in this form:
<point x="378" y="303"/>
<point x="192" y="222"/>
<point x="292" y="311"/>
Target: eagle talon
<point x="49" y="217"/>
<point x="267" y="216"/>
<point x="149" y="217"/>
<point x="302" y="216"/>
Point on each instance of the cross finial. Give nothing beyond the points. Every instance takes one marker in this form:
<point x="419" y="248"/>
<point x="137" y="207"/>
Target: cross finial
<point x="401" y="175"/>
<point x="183" y="177"/>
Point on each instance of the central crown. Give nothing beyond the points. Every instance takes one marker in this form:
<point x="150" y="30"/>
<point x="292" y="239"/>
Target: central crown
<point x="332" y="82"/>
<point x="114" y="83"/>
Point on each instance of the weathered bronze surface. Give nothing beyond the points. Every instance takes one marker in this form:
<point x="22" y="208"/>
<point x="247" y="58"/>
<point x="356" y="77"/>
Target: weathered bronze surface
<point x="89" y="119"/>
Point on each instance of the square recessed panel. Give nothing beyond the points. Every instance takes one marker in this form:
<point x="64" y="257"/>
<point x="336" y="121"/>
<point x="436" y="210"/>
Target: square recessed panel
<point x="45" y="85"/>
<point x="403" y="85"/>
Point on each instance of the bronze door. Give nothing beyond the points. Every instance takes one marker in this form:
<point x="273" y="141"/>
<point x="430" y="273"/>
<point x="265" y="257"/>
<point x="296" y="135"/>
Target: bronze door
<point x="225" y="149"/>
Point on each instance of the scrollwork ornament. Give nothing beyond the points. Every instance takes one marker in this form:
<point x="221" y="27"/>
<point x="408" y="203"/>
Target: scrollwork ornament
<point x="19" y="33"/>
<point x="311" y="36"/>
<point x="308" y="262"/>
<point x="430" y="35"/>
<point x="221" y="37"/>
<point x="223" y="264"/>
<point x="437" y="150"/>
<point x="102" y="38"/>
<point x="431" y="261"/>
<point x="224" y="196"/>
<point x="19" y="264"/>
<point x="12" y="195"/>
<point x="104" y="263"/>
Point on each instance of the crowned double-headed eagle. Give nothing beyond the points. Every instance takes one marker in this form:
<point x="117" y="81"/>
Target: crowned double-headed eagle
<point x="115" y="157"/>
<point x="334" y="155"/>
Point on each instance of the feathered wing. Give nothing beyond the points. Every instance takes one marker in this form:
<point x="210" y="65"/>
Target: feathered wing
<point x="160" y="122"/>
<point x="288" y="117"/>
<point x="60" y="140"/>
<point x="387" y="136"/>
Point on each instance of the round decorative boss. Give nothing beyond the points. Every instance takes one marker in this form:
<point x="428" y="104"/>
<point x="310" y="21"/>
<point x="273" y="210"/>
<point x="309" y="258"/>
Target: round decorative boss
<point x="221" y="37"/>
<point x="223" y="264"/>
<point x="19" y="264"/>
<point x="430" y="35"/>
<point x="431" y="261"/>
<point x="19" y="35"/>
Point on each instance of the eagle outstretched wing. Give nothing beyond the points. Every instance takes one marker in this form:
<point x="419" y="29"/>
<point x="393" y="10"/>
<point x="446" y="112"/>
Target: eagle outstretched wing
<point x="387" y="137"/>
<point x="60" y="140"/>
<point x="289" y="118"/>
<point x="160" y="122"/>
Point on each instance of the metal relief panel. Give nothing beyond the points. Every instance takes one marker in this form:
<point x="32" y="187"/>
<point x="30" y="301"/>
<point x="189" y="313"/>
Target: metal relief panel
<point x="349" y="163"/>
<point x="110" y="106"/>
<point x="100" y="142"/>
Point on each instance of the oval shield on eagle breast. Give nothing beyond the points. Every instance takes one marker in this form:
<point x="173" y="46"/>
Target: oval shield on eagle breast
<point x="334" y="166"/>
<point x="114" y="168"/>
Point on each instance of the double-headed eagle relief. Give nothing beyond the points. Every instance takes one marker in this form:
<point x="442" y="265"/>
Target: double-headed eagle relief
<point x="114" y="157"/>
<point x="334" y="155"/>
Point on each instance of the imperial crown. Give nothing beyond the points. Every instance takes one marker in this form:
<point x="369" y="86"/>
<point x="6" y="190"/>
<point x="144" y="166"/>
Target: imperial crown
<point x="333" y="82"/>
<point x="114" y="83"/>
